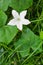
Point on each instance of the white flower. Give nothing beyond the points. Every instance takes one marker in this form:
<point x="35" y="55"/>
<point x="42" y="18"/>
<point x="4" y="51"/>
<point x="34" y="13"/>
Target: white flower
<point x="19" y="19"/>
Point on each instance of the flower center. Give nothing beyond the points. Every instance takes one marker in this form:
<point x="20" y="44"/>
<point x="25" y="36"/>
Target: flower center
<point x="18" y="19"/>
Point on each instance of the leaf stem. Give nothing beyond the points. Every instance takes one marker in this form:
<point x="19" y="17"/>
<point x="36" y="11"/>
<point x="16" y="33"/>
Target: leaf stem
<point x="37" y="20"/>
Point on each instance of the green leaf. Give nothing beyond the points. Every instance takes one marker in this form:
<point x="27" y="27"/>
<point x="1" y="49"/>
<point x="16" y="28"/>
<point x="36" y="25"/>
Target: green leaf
<point x="3" y="18"/>
<point x="4" y="4"/>
<point x="41" y="35"/>
<point x="28" y="40"/>
<point x="20" y="5"/>
<point x="7" y="33"/>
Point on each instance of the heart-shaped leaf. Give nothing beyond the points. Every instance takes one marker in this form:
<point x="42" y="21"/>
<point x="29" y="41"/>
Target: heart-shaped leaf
<point x="28" y="40"/>
<point x="20" y="5"/>
<point x="7" y="33"/>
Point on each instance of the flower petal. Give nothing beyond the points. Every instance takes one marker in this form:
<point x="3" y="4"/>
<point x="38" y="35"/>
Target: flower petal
<point x="19" y="26"/>
<point x="12" y="22"/>
<point x="15" y="14"/>
<point x="23" y="14"/>
<point x="25" y="22"/>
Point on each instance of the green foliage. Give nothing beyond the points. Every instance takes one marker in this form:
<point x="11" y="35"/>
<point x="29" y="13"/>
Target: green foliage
<point x="28" y="40"/>
<point x="7" y="33"/>
<point x="21" y="47"/>
<point x="41" y="35"/>
<point x="4" y="4"/>
<point x="20" y="5"/>
<point x="3" y="18"/>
